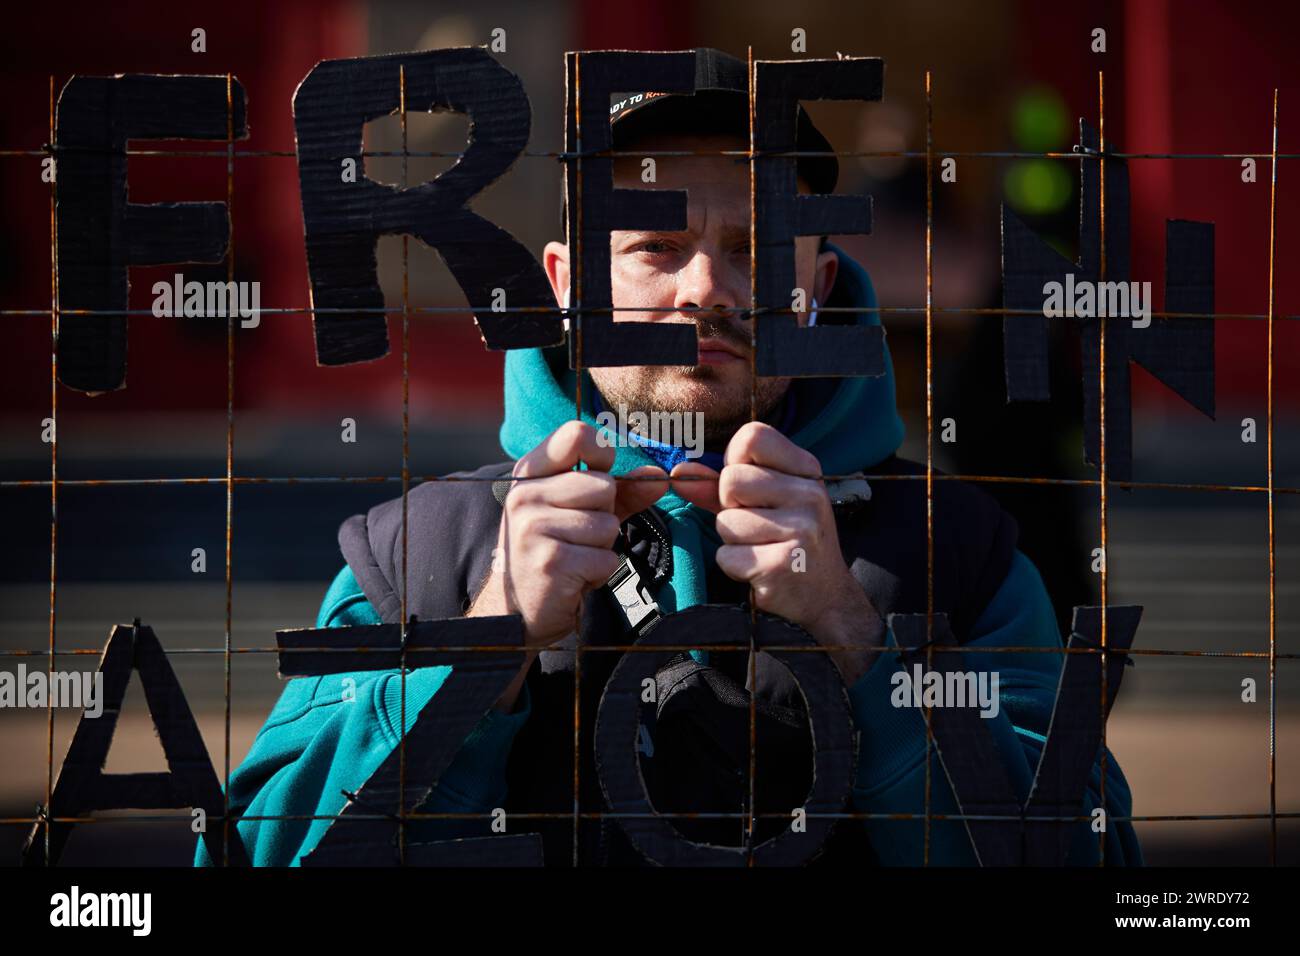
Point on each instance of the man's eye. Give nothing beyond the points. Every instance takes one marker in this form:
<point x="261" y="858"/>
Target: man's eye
<point x="654" y="247"/>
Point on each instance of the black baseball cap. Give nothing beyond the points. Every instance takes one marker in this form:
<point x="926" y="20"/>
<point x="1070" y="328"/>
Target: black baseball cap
<point x="720" y="104"/>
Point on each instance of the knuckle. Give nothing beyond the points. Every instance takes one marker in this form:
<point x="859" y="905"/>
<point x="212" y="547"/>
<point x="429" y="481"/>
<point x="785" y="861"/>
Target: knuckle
<point x="528" y="524"/>
<point x="736" y="481"/>
<point x="603" y="486"/>
<point x="747" y="437"/>
<point x="812" y="494"/>
<point x="573" y="487"/>
<point x="607" y="565"/>
<point x="729" y="523"/>
<point x="562" y="444"/>
<point x="583" y="438"/>
<point x="549" y="557"/>
<point x="606" y="525"/>
<point x="521" y="497"/>
<point x="810" y="464"/>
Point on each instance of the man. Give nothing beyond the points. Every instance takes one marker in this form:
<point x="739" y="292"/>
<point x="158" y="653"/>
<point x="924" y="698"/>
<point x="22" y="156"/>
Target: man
<point x="707" y="531"/>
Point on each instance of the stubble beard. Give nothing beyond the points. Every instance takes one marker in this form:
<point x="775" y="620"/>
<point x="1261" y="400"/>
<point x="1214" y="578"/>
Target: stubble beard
<point x="724" y="399"/>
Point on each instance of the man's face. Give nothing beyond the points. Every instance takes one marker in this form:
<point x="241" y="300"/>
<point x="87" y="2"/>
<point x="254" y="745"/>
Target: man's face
<point x="663" y="276"/>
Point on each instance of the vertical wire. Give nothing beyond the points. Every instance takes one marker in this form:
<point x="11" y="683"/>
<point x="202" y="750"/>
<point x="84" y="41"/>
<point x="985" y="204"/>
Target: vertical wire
<point x="1272" y="557"/>
<point x="1101" y="441"/>
<point x="230" y="451"/>
<point x="55" y="324"/>
<point x="753" y="416"/>
<point x="577" y="413"/>
<point x="929" y="440"/>
<point x="406" y="478"/>
<point x="54" y="465"/>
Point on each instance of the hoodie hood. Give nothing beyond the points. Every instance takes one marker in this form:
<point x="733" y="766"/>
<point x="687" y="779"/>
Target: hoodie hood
<point x="850" y="424"/>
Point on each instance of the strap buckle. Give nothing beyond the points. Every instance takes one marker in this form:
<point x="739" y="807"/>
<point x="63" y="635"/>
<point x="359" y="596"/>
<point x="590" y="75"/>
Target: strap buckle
<point x="640" y="611"/>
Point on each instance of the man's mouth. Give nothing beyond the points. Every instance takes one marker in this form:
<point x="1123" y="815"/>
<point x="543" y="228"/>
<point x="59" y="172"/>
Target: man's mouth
<point x="719" y="352"/>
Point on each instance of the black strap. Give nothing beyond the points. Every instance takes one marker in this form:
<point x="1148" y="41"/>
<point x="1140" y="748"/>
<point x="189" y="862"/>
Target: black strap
<point x="646" y="549"/>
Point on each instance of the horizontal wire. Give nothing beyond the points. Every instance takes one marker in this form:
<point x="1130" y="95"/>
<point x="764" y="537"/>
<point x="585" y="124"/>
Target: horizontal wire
<point x="422" y="479"/>
<point x="458" y="310"/>
<point x="633" y="815"/>
<point x="664" y="648"/>
<point x="638" y="154"/>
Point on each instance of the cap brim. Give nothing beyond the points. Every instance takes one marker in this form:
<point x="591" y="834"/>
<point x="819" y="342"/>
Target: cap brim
<point x="721" y="112"/>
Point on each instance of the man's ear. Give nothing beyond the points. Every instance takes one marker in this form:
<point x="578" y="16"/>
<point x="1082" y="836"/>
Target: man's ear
<point x="555" y="260"/>
<point x="827" y="268"/>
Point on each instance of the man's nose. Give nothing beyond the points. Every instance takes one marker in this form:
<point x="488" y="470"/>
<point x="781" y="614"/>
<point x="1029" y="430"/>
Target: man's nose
<point x="707" y="282"/>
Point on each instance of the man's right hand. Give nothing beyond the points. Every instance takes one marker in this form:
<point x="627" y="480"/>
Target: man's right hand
<point x="558" y="530"/>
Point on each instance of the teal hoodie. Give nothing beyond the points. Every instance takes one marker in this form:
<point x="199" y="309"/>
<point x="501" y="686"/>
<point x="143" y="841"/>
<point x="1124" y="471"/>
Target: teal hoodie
<point x="323" y="738"/>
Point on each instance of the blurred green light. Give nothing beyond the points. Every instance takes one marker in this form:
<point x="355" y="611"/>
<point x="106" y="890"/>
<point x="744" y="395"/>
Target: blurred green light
<point x="1038" y="120"/>
<point x="1038" y="186"/>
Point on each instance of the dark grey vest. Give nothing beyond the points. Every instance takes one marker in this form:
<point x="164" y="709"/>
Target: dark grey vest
<point x="453" y="529"/>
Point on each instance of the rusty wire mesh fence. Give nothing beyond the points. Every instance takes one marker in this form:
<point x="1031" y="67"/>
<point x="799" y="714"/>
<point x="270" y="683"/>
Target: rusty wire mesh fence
<point x="406" y="478"/>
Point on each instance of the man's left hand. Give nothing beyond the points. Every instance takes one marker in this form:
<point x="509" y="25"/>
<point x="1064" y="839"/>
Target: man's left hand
<point x="770" y="500"/>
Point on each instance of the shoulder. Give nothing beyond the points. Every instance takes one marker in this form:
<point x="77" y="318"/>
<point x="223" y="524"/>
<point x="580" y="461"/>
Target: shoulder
<point x="451" y="524"/>
<point x="462" y="499"/>
<point x="962" y="511"/>
<point x="974" y="536"/>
